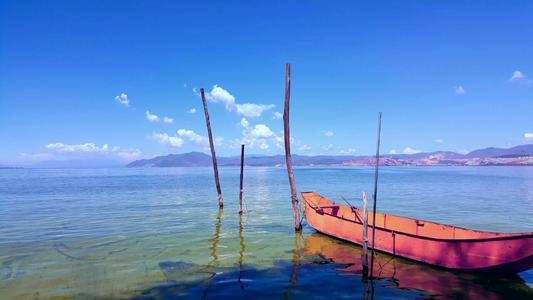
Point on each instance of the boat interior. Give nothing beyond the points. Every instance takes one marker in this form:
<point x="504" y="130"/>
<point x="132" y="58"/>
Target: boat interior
<point x="399" y="224"/>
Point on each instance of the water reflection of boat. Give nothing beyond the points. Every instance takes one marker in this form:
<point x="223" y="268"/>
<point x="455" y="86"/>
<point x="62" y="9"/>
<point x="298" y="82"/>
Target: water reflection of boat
<point x="411" y="275"/>
<point x="436" y="244"/>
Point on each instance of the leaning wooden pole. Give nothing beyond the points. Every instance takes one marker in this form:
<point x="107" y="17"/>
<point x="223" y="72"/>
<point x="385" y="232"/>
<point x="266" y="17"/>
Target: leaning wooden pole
<point x="288" y="159"/>
<point x="241" y="183"/>
<point x="364" y="254"/>
<point x="213" y="155"/>
<point x="375" y="198"/>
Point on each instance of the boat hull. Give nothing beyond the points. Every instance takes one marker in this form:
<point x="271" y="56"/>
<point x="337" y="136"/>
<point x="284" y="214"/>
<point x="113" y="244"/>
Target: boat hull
<point x="432" y="243"/>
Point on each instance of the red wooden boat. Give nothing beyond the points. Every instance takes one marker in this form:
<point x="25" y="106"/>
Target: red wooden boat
<point x="428" y="242"/>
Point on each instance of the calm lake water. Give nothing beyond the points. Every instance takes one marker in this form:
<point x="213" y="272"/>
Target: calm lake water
<point x="158" y="233"/>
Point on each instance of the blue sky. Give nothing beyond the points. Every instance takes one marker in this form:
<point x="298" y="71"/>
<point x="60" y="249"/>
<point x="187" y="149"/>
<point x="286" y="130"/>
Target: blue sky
<point x="453" y="75"/>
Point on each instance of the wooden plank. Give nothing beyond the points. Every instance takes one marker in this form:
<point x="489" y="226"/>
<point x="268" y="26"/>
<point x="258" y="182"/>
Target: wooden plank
<point x="212" y="145"/>
<point x="288" y="159"/>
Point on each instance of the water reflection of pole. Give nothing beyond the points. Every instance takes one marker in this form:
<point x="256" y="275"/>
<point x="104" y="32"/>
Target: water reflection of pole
<point x="296" y="258"/>
<point x="242" y="249"/>
<point x="213" y="247"/>
<point x="214" y="240"/>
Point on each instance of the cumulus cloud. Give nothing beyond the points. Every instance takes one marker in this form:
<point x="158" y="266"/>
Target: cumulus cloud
<point x="166" y="140"/>
<point x="192" y="110"/>
<point x="261" y="131"/>
<point x="151" y="117"/>
<point x="328" y="133"/>
<point x="459" y="90"/>
<point x="393" y="151"/>
<point x="244" y="122"/>
<point x="168" y="120"/>
<point x="250" y="110"/>
<point x="123" y="99"/>
<point x="193" y="137"/>
<point x="257" y="136"/>
<point x="277" y="115"/>
<point x="517" y="76"/>
<point x="439" y="141"/>
<point x="528" y="135"/>
<point x="86" y="148"/>
<point x="409" y="150"/>
<point x="304" y="148"/>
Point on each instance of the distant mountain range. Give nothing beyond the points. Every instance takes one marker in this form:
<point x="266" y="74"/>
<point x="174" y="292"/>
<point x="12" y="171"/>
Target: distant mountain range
<point x="519" y="155"/>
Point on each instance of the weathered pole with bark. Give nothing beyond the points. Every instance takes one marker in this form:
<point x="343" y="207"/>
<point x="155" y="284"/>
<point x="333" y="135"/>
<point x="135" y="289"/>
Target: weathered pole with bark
<point x="213" y="155"/>
<point x="241" y="183"/>
<point x="364" y="255"/>
<point x="375" y="198"/>
<point x="288" y="159"/>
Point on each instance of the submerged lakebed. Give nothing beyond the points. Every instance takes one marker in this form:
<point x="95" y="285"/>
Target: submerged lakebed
<point x="158" y="233"/>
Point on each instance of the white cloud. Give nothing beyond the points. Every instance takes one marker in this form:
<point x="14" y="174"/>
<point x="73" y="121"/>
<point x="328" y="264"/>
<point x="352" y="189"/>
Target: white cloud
<point x="244" y="122"/>
<point x="85" y="148"/>
<point x="151" y="117"/>
<point x="393" y="151"/>
<point x="165" y="139"/>
<point x="517" y="75"/>
<point x="304" y="148"/>
<point x="168" y="120"/>
<point x="439" y="141"/>
<point x="328" y="133"/>
<point x="62" y="151"/>
<point x="348" y="151"/>
<point x="193" y="137"/>
<point x="250" y="110"/>
<point x="459" y="90"/>
<point x="528" y="135"/>
<point x="123" y="99"/>
<point x="127" y="154"/>
<point x="192" y="110"/>
<point x="277" y="115"/>
<point x="409" y="150"/>
<point x="261" y="131"/>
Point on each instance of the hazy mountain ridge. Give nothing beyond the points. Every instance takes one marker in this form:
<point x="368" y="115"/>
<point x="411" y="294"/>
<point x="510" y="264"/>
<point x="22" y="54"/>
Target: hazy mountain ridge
<point x="519" y="155"/>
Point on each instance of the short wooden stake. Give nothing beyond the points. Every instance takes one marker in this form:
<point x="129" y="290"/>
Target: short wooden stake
<point x="288" y="159"/>
<point x="241" y="183"/>
<point x="364" y="255"/>
<point x="213" y="155"/>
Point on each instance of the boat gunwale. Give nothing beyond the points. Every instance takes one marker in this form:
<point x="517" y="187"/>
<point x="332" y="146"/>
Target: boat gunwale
<point x="502" y="236"/>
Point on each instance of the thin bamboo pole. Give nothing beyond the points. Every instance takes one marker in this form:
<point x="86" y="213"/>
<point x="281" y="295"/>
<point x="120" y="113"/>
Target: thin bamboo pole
<point x="375" y="198"/>
<point x="212" y="145"/>
<point x="241" y="182"/>
<point x="288" y="159"/>
<point x="364" y="255"/>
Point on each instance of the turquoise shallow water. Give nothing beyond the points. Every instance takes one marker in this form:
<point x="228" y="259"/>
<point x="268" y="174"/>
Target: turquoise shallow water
<point x="158" y="233"/>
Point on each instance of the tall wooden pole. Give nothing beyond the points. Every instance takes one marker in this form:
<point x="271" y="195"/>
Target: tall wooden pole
<point x="364" y="255"/>
<point x="288" y="159"/>
<point x="242" y="169"/>
<point x="213" y="155"/>
<point x="375" y="198"/>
